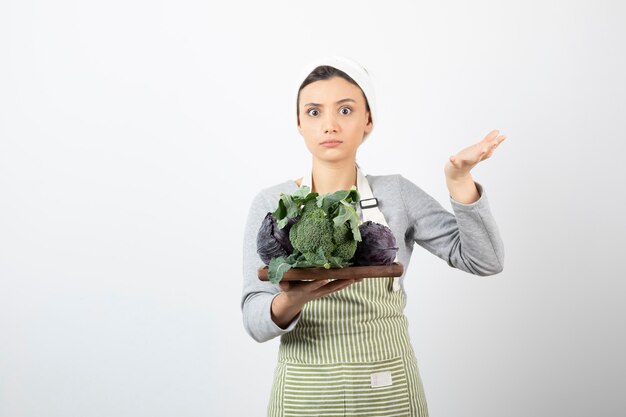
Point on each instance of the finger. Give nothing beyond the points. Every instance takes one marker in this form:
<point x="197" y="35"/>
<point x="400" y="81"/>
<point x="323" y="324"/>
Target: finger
<point x="499" y="139"/>
<point x="320" y="286"/>
<point x="493" y="134"/>
<point x="308" y="286"/>
<point x="333" y="286"/>
<point x="496" y="139"/>
<point x="317" y="284"/>
<point x="489" y="149"/>
<point x="486" y="149"/>
<point x="340" y="284"/>
<point x="496" y="142"/>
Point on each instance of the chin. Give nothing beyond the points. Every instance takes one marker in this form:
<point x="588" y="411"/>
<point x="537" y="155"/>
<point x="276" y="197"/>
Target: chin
<point x="334" y="156"/>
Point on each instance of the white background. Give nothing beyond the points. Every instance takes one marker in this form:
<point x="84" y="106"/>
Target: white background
<point x="134" y="134"/>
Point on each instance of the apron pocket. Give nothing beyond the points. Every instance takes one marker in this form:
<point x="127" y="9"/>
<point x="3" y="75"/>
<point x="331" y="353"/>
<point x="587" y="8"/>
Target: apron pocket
<point x="377" y="388"/>
<point x="346" y="389"/>
<point x="313" y="390"/>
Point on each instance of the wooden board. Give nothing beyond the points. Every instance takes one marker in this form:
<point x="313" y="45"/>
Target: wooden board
<point x="308" y="274"/>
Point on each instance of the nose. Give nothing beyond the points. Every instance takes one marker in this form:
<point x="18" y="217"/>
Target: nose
<point x="330" y="123"/>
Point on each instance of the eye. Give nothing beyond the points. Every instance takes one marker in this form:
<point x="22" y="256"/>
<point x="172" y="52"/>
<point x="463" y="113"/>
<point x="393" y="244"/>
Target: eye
<point x="345" y="108"/>
<point x="313" y="110"/>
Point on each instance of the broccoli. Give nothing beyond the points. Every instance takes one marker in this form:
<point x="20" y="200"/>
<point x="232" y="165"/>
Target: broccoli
<point x="315" y="236"/>
<point x="326" y="233"/>
<point x="312" y="232"/>
<point x="345" y="245"/>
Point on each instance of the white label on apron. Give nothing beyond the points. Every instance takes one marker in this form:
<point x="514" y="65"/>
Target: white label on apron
<point x="381" y="379"/>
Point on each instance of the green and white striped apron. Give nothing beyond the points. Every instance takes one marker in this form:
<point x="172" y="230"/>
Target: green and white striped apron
<point x="350" y="355"/>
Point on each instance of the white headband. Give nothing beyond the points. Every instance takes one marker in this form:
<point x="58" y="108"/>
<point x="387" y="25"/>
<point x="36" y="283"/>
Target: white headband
<point x="355" y="70"/>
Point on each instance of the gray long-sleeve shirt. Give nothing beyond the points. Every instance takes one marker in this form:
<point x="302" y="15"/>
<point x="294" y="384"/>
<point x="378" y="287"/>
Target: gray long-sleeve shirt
<point x="468" y="240"/>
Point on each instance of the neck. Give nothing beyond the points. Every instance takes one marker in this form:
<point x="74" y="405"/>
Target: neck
<point x="329" y="177"/>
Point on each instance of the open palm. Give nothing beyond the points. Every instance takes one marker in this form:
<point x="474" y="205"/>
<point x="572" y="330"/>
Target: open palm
<point x="461" y="164"/>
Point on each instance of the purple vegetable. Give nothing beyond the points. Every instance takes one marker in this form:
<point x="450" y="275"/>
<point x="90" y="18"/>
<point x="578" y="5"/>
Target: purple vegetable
<point x="271" y="241"/>
<point x="377" y="247"/>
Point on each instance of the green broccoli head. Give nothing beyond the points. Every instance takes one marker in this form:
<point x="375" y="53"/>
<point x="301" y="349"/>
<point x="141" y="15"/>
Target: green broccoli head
<point x="345" y="245"/>
<point x="310" y="205"/>
<point x="322" y="236"/>
<point x="312" y="232"/>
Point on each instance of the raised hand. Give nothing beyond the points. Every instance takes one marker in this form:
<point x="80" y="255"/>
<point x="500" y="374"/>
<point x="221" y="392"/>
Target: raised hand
<point x="459" y="165"/>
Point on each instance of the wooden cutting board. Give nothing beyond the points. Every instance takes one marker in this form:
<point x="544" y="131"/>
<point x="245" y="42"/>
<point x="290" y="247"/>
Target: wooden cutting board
<point x="309" y="274"/>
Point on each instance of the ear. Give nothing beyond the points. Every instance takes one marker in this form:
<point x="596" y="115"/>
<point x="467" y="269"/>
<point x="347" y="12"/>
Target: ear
<point x="300" y="127"/>
<point x="370" y="124"/>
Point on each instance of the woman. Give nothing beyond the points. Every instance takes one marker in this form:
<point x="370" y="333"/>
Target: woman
<point x="345" y="348"/>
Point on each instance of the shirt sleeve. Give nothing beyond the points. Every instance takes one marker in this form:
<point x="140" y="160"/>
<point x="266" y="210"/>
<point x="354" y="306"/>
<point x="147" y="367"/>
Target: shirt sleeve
<point x="257" y="295"/>
<point x="468" y="240"/>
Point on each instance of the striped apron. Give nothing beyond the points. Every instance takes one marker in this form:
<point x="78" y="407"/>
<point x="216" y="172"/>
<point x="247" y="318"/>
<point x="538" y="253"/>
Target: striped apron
<point x="349" y="355"/>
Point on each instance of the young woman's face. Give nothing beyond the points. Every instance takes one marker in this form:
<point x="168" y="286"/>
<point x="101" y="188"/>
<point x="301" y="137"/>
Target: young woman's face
<point x="333" y="118"/>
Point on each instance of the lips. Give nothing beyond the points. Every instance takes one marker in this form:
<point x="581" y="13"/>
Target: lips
<point x="331" y="141"/>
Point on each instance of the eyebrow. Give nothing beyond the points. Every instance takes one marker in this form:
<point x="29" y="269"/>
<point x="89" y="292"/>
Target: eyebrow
<point x="343" y="100"/>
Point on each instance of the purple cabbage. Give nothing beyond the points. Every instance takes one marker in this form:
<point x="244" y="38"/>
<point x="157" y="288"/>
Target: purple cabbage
<point x="271" y="241"/>
<point x="377" y="247"/>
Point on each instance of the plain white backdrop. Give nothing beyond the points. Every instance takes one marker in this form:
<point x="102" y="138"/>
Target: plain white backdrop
<point x="134" y="134"/>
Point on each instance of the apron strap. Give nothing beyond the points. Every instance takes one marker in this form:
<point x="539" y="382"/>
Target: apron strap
<point x="368" y="203"/>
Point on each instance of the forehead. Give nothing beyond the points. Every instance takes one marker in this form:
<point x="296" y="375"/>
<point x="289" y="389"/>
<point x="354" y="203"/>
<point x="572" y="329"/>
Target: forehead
<point x="329" y="91"/>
